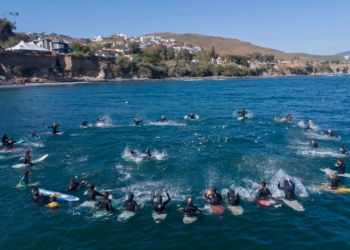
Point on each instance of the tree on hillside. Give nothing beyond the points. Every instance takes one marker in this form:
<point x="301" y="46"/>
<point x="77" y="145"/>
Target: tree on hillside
<point x="16" y="39"/>
<point x="76" y="47"/>
<point x="212" y="52"/>
<point x="6" y="29"/>
<point x="134" y="48"/>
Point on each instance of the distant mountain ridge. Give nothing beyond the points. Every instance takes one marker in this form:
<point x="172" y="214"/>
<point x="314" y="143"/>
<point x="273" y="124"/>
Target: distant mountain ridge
<point x="345" y="53"/>
<point x="229" y="46"/>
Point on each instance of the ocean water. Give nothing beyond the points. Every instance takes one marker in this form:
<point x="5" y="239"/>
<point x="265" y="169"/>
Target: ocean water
<point x="191" y="156"/>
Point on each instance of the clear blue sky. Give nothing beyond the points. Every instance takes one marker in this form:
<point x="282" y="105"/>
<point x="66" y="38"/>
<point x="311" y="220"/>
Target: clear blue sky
<point x="310" y="26"/>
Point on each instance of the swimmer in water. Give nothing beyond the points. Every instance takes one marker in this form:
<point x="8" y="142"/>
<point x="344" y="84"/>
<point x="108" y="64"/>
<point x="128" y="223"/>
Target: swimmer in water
<point x="25" y="179"/>
<point x="263" y="193"/>
<point x="84" y="123"/>
<point x="243" y="113"/>
<point x="233" y="197"/>
<point x="54" y="127"/>
<point x="28" y="158"/>
<point x="339" y="166"/>
<point x="92" y="193"/>
<point x="157" y="202"/>
<point x="288" y="188"/>
<point x="130" y="204"/>
<point x="343" y="151"/>
<point x="334" y="181"/>
<point x="137" y="121"/>
<point x="105" y="203"/>
<point x="73" y="185"/>
<point x="314" y="144"/>
<point x="212" y="197"/>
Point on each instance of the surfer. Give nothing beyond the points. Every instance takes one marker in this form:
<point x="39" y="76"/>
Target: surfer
<point x="136" y="156"/>
<point x="190" y="209"/>
<point x="105" y="203"/>
<point x="281" y="116"/>
<point x="4" y="138"/>
<point x="343" y="150"/>
<point x="314" y="144"/>
<point x="54" y="127"/>
<point x="162" y="119"/>
<point x="25" y="179"/>
<point x="38" y="197"/>
<point x="53" y="203"/>
<point x="73" y="185"/>
<point x="243" y="112"/>
<point x="28" y="158"/>
<point x="288" y="188"/>
<point x="84" y="123"/>
<point x="311" y="123"/>
<point x="212" y="197"/>
<point x="9" y="144"/>
<point x="289" y="118"/>
<point x="159" y="205"/>
<point x="263" y="193"/>
<point x="137" y="121"/>
<point x="339" y="166"/>
<point x="92" y="193"/>
<point x="334" y="181"/>
<point x="130" y="204"/>
<point x="100" y="119"/>
<point x="331" y="134"/>
<point x="33" y="135"/>
<point x="233" y="197"/>
<point x="192" y="116"/>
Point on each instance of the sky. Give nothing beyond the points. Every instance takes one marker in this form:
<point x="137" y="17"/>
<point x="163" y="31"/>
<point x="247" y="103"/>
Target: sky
<point x="307" y="26"/>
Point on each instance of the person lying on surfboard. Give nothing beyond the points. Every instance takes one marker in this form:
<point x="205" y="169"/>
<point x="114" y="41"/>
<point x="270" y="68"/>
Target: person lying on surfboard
<point x="136" y="156"/>
<point x="331" y="134"/>
<point x="130" y="204"/>
<point x="84" y="123"/>
<point x="233" y="197"/>
<point x="263" y="193"/>
<point x="158" y="204"/>
<point x="105" y="203"/>
<point x="73" y="185"/>
<point x="339" y="166"/>
<point x="54" y="127"/>
<point x="288" y="188"/>
<point x="343" y="151"/>
<point x="137" y="121"/>
<point x="334" y="181"/>
<point x="25" y="179"/>
<point x="212" y="197"/>
<point x="314" y="144"/>
<point x="33" y="135"/>
<point x="28" y="158"/>
<point x="4" y="139"/>
<point x="190" y="209"/>
<point x="243" y="112"/>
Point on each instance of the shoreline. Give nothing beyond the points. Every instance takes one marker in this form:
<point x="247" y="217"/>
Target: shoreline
<point x="142" y="80"/>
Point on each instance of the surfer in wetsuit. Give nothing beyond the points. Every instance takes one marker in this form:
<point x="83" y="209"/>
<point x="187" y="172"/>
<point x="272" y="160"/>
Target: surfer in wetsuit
<point x="130" y="204"/>
<point x="190" y="209"/>
<point x="334" y="181"/>
<point x="263" y="193"/>
<point x="105" y="203"/>
<point x="159" y="205"/>
<point x="100" y="119"/>
<point x="73" y="185"/>
<point x="28" y="158"/>
<point x="233" y="197"/>
<point x="4" y="139"/>
<point x="339" y="166"/>
<point x="192" y="116"/>
<point x="9" y="144"/>
<point x="281" y="116"/>
<point x="331" y="134"/>
<point x="33" y="135"/>
<point x="137" y="121"/>
<point x="343" y="151"/>
<point x="288" y="188"/>
<point x="314" y="144"/>
<point x="212" y="197"/>
<point x="289" y="118"/>
<point x="25" y="179"/>
<point x="162" y="119"/>
<point x="38" y="197"/>
<point x="84" y="123"/>
<point x="92" y="193"/>
<point x="53" y="203"/>
<point x="243" y="112"/>
<point x="54" y="127"/>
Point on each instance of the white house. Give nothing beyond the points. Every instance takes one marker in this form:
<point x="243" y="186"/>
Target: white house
<point x="98" y="39"/>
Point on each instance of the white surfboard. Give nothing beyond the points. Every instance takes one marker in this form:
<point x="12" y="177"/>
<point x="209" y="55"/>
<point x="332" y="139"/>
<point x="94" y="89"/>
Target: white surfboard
<point x="236" y="210"/>
<point x="29" y="185"/>
<point x="125" y="215"/>
<point x="100" y="214"/>
<point x="22" y="165"/>
<point x="41" y="158"/>
<point x="327" y="171"/>
<point x="188" y="219"/>
<point x="294" y="204"/>
<point x="240" y="118"/>
<point x="158" y="218"/>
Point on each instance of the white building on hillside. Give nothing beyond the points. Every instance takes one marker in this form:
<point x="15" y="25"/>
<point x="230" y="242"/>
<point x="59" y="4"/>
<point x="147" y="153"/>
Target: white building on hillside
<point x="98" y="39"/>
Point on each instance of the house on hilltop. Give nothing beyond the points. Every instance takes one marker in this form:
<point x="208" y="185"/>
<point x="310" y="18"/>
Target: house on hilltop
<point x="56" y="45"/>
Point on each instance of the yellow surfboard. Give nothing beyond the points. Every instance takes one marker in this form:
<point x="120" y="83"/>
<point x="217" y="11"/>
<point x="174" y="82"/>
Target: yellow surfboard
<point x="29" y="185"/>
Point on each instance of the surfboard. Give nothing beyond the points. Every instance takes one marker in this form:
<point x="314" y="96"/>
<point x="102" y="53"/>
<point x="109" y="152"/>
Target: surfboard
<point x="158" y="218"/>
<point x="58" y="133"/>
<point x="294" y="204"/>
<point x="240" y="118"/>
<point x="22" y="165"/>
<point x="338" y="190"/>
<point x="125" y="215"/>
<point x="266" y="203"/>
<point x="41" y="158"/>
<point x="188" y="219"/>
<point x="29" y="185"/>
<point x="100" y="214"/>
<point x="19" y="142"/>
<point x="218" y="210"/>
<point x="236" y="210"/>
<point x="129" y="158"/>
<point x="81" y="126"/>
<point x="327" y="171"/>
<point x="36" y="138"/>
<point x="59" y="196"/>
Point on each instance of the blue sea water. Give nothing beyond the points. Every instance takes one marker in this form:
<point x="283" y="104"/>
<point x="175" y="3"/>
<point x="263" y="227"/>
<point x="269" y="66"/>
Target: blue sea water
<point x="191" y="156"/>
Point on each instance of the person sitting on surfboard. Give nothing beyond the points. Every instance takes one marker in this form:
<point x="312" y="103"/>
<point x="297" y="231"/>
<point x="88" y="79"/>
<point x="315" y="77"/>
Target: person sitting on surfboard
<point x="54" y="127"/>
<point x="212" y="197"/>
<point x="314" y="144"/>
<point x="84" y="123"/>
<point x="9" y="144"/>
<point x="311" y="123"/>
<point x="331" y="134"/>
<point x="334" y="181"/>
<point x="343" y="151"/>
<point x="339" y="166"/>
<point x="263" y="193"/>
<point x="162" y="119"/>
<point x="137" y="121"/>
<point x="159" y="205"/>
<point x="33" y="135"/>
<point x="281" y="116"/>
<point x="288" y="188"/>
<point x="73" y="185"/>
<point x="28" y="158"/>
<point x="190" y="209"/>
<point x="92" y="193"/>
<point x="289" y="118"/>
<point x="192" y="116"/>
<point x="130" y="204"/>
<point x="233" y="197"/>
<point x="53" y="203"/>
<point x="4" y="138"/>
<point x="100" y="119"/>
<point x="243" y="112"/>
<point x="105" y="203"/>
<point x="25" y="179"/>
<point x="38" y="197"/>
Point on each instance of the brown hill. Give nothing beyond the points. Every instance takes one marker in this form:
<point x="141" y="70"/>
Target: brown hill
<point x="229" y="46"/>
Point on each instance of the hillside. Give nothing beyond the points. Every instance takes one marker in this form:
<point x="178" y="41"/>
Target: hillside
<point x="345" y="53"/>
<point x="226" y="46"/>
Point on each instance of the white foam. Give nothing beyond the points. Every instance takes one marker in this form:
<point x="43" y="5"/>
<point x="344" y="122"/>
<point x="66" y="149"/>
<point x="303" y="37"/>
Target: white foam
<point x="168" y="123"/>
<point x="187" y="117"/>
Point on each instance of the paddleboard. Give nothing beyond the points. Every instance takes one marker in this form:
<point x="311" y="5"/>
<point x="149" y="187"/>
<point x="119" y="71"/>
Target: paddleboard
<point x="294" y="204"/>
<point x="240" y="118"/>
<point x="29" y="185"/>
<point x="327" y="171"/>
<point x="158" y="218"/>
<point x="266" y="203"/>
<point x="59" y="196"/>
<point x="341" y="190"/>
<point x="236" y="210"/>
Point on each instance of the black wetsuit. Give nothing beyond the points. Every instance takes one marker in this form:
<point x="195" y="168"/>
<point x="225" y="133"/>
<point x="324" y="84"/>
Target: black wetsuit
<point x="9" y="145"/>
<point x="28" y="160"/>
<point x="54" y="128"/>
<point x="344" y="152"/>
<point x="334" y="183"/>
<point x="4" y="139"/>
<point x="100" y="120"/>
<point x="104" y="204"/>
<point x="40" y="198"/>
<point x="191" y="209"/>
<point x="289" y="118"/>
<point x="214" y="199"/>
<point x="243" y="113"/>
<point x="331" y="134"/>
<point x="85" y="124"/>
<point x="192" y="117"/>
<point x="74" y="186"/>
<point x="263" y="194"/>
<point x="314" y="145"/>
<point x="92" y="194"/>
<point x="130" y="205"/>
<point x="288" y="190"/>
<point x="137" y="121"/>
<point x="233" y="198"/>
<point x="32" y="136"/>
<point x="160" y="206"/>
<point x="340" y="168"/>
